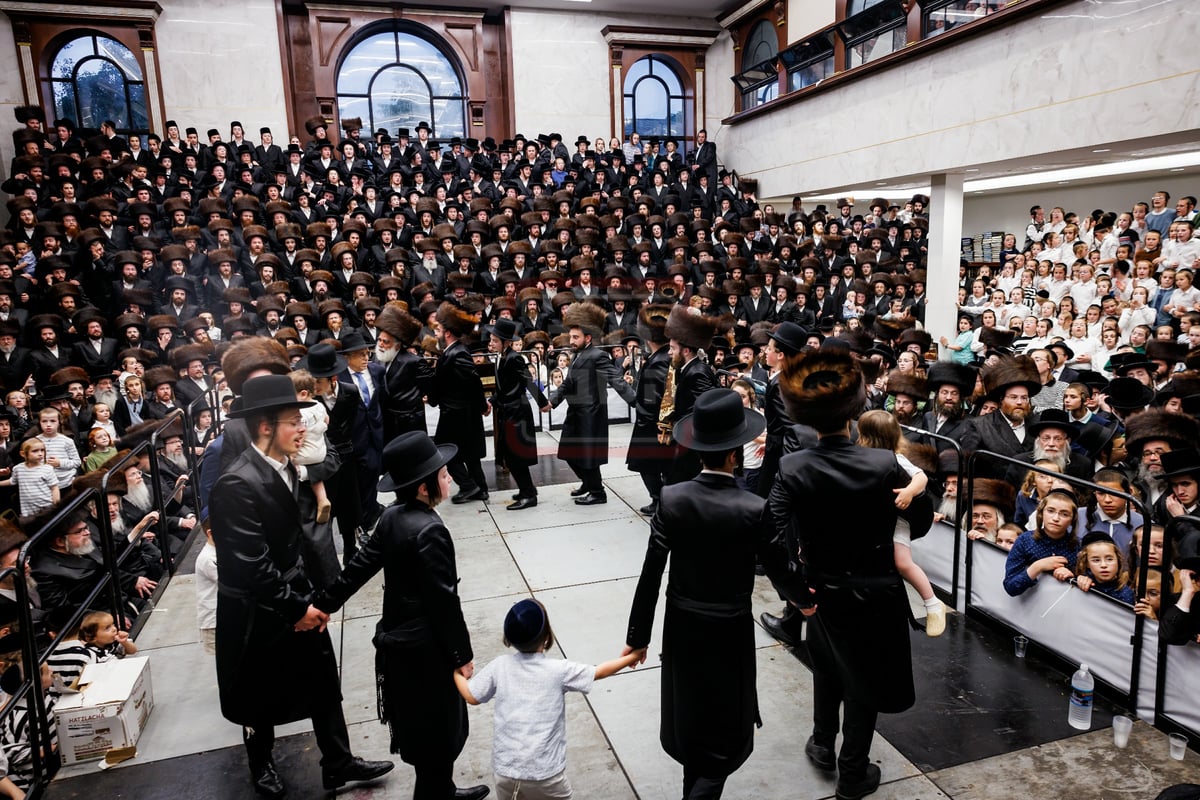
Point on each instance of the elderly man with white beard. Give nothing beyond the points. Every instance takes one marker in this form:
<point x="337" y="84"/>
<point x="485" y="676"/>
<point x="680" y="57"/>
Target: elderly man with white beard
<point x="146" y="557"/>
<point x="1052" y="436"/>
<point x="68" y="564"/>
<point x="138" y="501"/>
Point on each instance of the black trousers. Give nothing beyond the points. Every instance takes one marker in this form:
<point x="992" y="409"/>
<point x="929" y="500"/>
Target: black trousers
<point x="699" y="787"/>
<point x="468" y="474"/>
<point x="858" y="724"/>
<point x="653" y="481"/>
<point x="329" y="728"/>
<point x="589" y="477"/>
<point x="435" y="780"/>
<point x="524" y="480"/>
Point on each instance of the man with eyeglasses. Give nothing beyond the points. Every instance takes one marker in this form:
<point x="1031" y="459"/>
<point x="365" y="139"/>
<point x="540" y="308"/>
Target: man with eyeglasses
<point x="1052" y="436"/>
<point x="1149" y="435"/>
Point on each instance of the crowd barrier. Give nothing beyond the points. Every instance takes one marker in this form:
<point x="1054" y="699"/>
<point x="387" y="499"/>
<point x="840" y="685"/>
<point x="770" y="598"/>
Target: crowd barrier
<point x="106" y="592"/>
<point x="1122" y="649"/>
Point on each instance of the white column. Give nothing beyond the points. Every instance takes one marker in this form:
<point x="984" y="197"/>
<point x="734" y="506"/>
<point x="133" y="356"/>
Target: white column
<point x="701" y="111"/>
<point x="945" y="233"/>
<point x="153" y="108"/>
<point x="618" y="106"/>
<point x="31" y="80"/>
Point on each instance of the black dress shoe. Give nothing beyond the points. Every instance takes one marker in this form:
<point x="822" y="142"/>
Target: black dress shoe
<point x="649" y="510"/>
<point x="356" y="770"/>
<point x="592" y="499"/>
<point x="580" y="492"/>
<point x="473" y="793"/>
<point x="467" y="496"/>
<point x="854" y="789"/>
<point x="518" y="496"/>
<point x="778" y="628"/>
<point x="821" y="756"/>
<point x="524" y="502"/>
<point x="267" y="781"/>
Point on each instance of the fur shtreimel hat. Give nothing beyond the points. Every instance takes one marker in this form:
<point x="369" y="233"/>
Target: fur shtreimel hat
<point x="250" y="354"/>
<point x="912" y="385"/>
<point x="688" y="327"/>
<point x="823" y="389"/>
<point x="588" y="317"/>
<point x="398" y="324"/>
<point x="652" y="322"/>
<point x="457" y="320"/>
<point x="1001" y="495"/>
<point x="1180" y="430"/>
<point x="1011" y="371"/>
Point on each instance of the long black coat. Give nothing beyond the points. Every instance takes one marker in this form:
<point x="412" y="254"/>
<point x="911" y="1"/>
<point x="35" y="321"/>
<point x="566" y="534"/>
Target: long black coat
<point x="407" y="381"/>
<point x="267" y="673"/>
<point x="994" y="433"/>
<point x="421" y="638"/>
<point x="833" y="504"/>
<point x="459" y="394"/>
<point x="713" y="532"/>
<point x="584" y="439"/>
<point x="516" y="443"/>
<point x="645" y="452"/>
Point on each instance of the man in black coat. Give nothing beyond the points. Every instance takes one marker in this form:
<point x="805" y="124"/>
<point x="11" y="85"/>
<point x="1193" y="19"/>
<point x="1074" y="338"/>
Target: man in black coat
<point x="689" y="334"/>
<point x="275" y="661"/>
<point x="584" y="440"/>
<point x="1011" y="382"/>
<point x="458" y="391"/>
<point x="16" y="363"/>
<point x="948" y="384"/>
<point x="516" y="444"/>
<point x="367" y="435"/>
<point x="844" y="578"/>
<point x="408" y="378"/>
<point x="647" y="455"/>
<point x="714" y="533"/>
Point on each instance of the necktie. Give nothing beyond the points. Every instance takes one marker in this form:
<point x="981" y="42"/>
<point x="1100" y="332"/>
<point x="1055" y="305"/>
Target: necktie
<point x="362" y="388"/>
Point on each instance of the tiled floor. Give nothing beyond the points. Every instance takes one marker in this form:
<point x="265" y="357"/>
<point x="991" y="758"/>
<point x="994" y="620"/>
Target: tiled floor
<point x="993" y="730"/>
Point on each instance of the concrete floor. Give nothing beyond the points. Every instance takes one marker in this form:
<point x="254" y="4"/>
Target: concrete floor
<point x="582" y="562"/>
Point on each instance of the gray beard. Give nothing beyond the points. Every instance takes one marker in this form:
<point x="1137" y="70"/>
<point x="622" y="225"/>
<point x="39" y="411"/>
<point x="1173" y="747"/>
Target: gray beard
<point x="139" y="497"/>
<point x="180" y="461"/>
<point x="8" y="351"/>
<point x="84" y="549"/>
<point x="948" y="508"/>
<point x="119" y="527"/>
<point x="109" y="398"/>
<point x="1060" y="459"/>
<point x="385" y="356"/>
<point x="1148" y="478"/>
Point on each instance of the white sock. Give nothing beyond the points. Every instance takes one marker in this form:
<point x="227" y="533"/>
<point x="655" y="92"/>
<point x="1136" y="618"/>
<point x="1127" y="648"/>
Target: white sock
<point x="932" y="603"/>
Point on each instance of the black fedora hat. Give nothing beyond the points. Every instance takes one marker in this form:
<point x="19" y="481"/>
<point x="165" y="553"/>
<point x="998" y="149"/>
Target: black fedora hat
<point x="1128" y="394"/>
<point x="718" y="422"/>
<point x="353" y="342"/>
<point x="1054" y="418"/>
<point x="790" y="337"/>
<point x="1094" y="436"/>
<point x="268" y="393"/>
<point x="505" y="330"/>
<point x="1180" y="462"/>
<point x="1185" y="543"/>
<point x="323" y="361"/>
<point x="412" y="457"/>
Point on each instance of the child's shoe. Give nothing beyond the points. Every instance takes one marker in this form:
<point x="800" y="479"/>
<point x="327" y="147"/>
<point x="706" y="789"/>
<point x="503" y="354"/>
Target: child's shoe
<point x="935" y="618"/>
<point x="323" y="511"/>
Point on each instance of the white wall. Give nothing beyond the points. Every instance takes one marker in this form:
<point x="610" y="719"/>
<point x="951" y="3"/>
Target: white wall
<point x="12" y="94"/>
<point x="721" y="99"/>
<point x="1009" y="212"/>
<point x="220" y="62"/>
<point x="808" y="16"/>
<point x="561" y="69"/>
<point x="997" y="96"/>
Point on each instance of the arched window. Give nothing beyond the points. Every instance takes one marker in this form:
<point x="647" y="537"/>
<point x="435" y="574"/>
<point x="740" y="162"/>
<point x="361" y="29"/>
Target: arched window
<point x="397" y="79"/>
<point x="654" y="100"/>
<point x="94" y="78"/>
<point x="762" y="44"/>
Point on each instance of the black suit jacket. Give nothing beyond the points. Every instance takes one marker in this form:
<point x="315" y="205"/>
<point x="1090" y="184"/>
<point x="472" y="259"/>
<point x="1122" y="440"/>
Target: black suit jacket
<point x="995" y="434"/>
<point x="84" y="355"/>
<point x="407" y="381"/>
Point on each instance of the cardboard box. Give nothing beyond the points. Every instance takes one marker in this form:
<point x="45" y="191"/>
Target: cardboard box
<point x="110" y="710"/>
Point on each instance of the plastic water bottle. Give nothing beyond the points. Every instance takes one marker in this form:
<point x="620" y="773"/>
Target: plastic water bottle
<point x="1083" y="687"/>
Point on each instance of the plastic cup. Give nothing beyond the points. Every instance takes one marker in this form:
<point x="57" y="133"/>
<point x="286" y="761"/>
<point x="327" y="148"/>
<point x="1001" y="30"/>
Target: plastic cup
<point x="1179" y="745"/>
<point x="1121" y="726"/>
<point x="1019" y="645"/>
